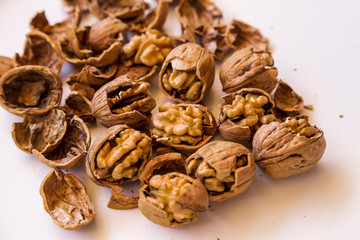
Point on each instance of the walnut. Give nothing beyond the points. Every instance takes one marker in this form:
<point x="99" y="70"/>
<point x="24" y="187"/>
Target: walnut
<point x="6" y="64"/>
<point x="71" y="4"/>
<point x="72" y="149"/>
<point x="118" y="200"/>
<point x="247" y="68"/>
<point x="226" y="168"/>
<point x="286" y="99"/>
<point x="185" y="127"/>
<point x="149" y="48"/>
<point x="241" y="35"/>
<point x="288" y="148"/>
<point x="123" y="101"/>
<point x="66" y="200"/>
<point x="187" y="73"/>
<point x="32" y="90"/>
<point x="213" y="40"/>
<point x="243" y="112"/>
<point x="118" y="155"/>
<point x="78" y="104"/>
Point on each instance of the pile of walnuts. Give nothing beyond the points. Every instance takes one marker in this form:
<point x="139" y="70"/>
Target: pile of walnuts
<point x="170" y="153"/>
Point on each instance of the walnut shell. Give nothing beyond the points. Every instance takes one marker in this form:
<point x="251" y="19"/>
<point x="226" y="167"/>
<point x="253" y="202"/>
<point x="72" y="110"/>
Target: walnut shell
<point x="78" y="104"/>
<point x="123" y="101"/>
<point x="66" y="200"/>
<point x="232" y="129"/>
<point x="43" y="133"/>
<point x="286" y="99"/>
<point x="213" y="40"/>
<point x="116" y="150"/>
<point x="72" y="149"/>
<point x="118" y="200"/>
<point x="193" y="60"/>
<point x="248" y="68"/>
<point x="281" y="152"/>
<point x="225" y="168"/>
<point x="32" y="90"/>
<point x="6" y="64"/>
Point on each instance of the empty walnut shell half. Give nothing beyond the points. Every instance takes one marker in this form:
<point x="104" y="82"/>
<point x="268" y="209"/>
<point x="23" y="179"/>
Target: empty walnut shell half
<point x="187" y="73"/>
<point x="288" y="148"/>
<point x="43" y="133"/>
<point x="185" y="127"/>
<point x="247" y="68"/>
<point x="78" y="104"/>
<point x="123" y="101"/>
<point x="225" y="168"/>
<point x="243" y="112"/>
<point x="32" y="90"/>
<point x="172" y="199"/>
<point x="118" y="155"/>
<point x="72" y="149"/>
<point x="286" y="99"/>
<point x="66" y="200"/>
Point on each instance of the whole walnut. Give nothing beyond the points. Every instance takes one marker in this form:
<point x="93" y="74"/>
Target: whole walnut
<point x="288" y="148"/>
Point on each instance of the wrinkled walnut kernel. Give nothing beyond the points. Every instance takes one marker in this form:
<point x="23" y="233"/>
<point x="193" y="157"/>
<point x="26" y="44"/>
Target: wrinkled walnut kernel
<point x="300" y="126"/>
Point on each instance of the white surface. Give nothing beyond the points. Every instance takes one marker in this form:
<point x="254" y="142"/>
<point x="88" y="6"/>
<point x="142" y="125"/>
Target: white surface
<point x="321" y="39"/>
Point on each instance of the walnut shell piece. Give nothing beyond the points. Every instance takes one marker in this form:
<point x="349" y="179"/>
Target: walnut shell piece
<point x="32" y="90"/>
<point x="225" y="168"/>
<point x="66" y="200"/>
<point x="6" y="64"/>
<point x="123" y="101"/>
<point x="248" y="68"/>
<point x="187" y="73"/>
<point x="78" y="104"/>
<point x="185" y="127"/>
<point x="43" y="133"/>
<point x="118" y="155"/>
<point x="286" y="99"/>
<point x="243" y="112"/>
<point x="172" y="199"/>
<point x="288" y="148"/>
<point x="72" y="149"/>
<point x="118" y="200"/>
<point x="213" y="40"/>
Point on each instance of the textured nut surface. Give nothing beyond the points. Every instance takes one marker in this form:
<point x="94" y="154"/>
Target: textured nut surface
<point x="286" y="99"/>
<point x="6" y="64"/>
<point x="118" y="155"/>
<point x="213" y="40"/>
<point x="226" y="168"/>
<point x="173" y="199"/>
<point x="248" y="68"/>
<point x="66" y="200"/>
<point x="78" y="104"/>
<point x="123" y="101"/>
<point x="187" y="73"/>
<point x="285" y="149"/>
<point x="185" y="127"/>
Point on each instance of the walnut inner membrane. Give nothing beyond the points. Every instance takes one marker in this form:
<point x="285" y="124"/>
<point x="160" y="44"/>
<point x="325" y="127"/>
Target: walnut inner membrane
<point x="300" y="126"/>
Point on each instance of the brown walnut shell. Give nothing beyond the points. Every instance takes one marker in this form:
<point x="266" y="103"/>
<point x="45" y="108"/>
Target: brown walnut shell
<point x="72" y="149"/>
<point x="110" y="155"/>
<point x="30" y="90"/>
<point x="118" y="200"/>
<point x="228" y="127"/>
<point x="213" y="40"/>
<point x="66" y="200"/>
<point x="78" y="104"/>
<point x="123" y="101"/>
<point x="71" y="4"/>
<point x="43" y="133"/>
<point x="286" y="99"/>
<point x="248" y="68"/>
<point x="189" y="58"/>
<point x="280" y="152"/>
<point x="6" y="64"/>
<point x="225" y="168"/>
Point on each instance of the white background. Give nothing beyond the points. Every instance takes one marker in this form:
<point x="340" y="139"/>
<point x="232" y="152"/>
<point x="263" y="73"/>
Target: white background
<point x="316" y="47"/>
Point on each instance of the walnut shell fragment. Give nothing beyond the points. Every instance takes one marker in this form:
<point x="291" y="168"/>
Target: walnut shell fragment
<point x="118" y="155"/>
<point x="172" y="199"/>
<point x="66" y="200"/>
<point x="286" y="99"/>
<point x="248" y="68"/>
<point x="123" y="101"/>
<point x="225" y="168"/>
<point x="187" y="73"/>
<point x="118" y="200"/>
<point x="78" y="104"/>
<point x="41" y="50"/>
<point x="72" y="149"/>
<point x="213" y="40"/>
<point x="185" y="127"/>
<point x="71" y="4"/>
<point x="288" y="148"/>
<point x="43" y="133"/>
<point x="6" y="64"/>
<point x="30" y="90"/>
<point x="241" y="35"/>
<point x="243" y="112"/>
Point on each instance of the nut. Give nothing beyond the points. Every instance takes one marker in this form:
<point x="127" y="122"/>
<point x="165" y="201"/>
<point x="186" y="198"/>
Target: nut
<point x="247" y="68"/>
<point x="243" y="113"/>
<point x="286" y="99"/>
<point x="187" y="73"/>
<point x="6" y="64"/>
<point x="213" y="40"/>
<point x="149" y="48"/>
<point x="185" y="127"/>
<point x="226" y="168"/>
<point x="78" y="104"/>
<point x="66" y="200"/>
<point x="288" y="148"/>
<point x="123" y="101"/>
<point x="118" y="155"/>
<point x="32" y="90"/>
<point x="118" y="200"/>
